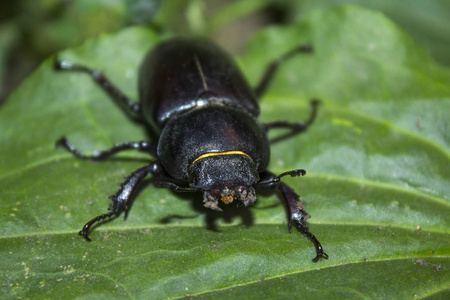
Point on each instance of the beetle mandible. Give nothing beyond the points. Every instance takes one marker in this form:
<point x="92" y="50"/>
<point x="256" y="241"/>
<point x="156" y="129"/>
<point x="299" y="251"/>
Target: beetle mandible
<point x="195" y="98"/>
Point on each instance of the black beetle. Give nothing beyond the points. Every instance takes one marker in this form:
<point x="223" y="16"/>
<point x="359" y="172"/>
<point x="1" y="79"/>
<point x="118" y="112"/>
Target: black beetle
<point x="205" y="114"/>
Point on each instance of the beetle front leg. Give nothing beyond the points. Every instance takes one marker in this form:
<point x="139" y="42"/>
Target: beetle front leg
<point x="122" y="199"/>
<point x="297" y="215"/>
<point x="294" y="206"/>
<point x="297" y="126"/>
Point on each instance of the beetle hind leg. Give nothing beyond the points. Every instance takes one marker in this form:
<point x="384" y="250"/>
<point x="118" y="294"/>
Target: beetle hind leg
<point x="102" y="80"/>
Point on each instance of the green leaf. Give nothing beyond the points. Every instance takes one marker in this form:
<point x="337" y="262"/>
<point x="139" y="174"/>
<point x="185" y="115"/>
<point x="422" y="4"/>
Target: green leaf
<point x="377" y="186"/>
<point x="427" y="21"/>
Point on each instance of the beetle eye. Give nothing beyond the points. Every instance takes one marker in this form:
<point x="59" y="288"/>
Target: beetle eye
<point x="246" y="194"/>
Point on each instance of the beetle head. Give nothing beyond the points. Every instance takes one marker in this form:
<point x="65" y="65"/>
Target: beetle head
<point x="224" y="177"/>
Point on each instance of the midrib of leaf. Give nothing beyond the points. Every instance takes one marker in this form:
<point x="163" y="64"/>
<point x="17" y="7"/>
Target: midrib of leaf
<point x="132" y="228"/>
<point x="282" y="237"/>
<point x="305" y="271"/>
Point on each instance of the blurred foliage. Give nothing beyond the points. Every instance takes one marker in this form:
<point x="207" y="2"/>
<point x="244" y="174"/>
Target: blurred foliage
<point x="31" y="30"/>
<point x="426" y="21"/>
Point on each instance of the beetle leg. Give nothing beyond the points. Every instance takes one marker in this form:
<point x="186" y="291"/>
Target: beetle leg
<point x="122" y="199"/>
<point x="273" y="67"/>
<point x="297" y="126"/>
<point x="294" y="206"/>
<point x="297" y="214"/>
<point x="102" y="80"/>
<point x="98" y="155"/>
<point x="170" y="185"/>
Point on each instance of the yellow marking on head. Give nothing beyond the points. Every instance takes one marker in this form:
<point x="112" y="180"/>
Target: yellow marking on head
<point x="220" y="153"/>
<point x="227" y="199"/>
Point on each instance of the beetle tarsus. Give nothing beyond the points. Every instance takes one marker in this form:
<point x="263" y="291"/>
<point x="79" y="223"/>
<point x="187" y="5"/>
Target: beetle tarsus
<point x="69" y="147"/>
<point x="298" y="215"/>
<point x="85" y="231"/>
<point x="122" y="199"/>
<point x="294" y="207"/>
<point x="319" y="249"/>
<point x="61" y="64"/>
<point x="303" y="228"/>
<point x="297" y="127"/>
<point x="274" y="65"/>
<point x="103" y="81"/>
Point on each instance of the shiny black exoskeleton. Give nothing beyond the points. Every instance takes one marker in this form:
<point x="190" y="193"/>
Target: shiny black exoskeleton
<point x="203" y="110"/>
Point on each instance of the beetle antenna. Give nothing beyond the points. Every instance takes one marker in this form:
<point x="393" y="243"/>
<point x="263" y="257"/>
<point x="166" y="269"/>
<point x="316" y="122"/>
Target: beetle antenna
<point x="293" y="173"/>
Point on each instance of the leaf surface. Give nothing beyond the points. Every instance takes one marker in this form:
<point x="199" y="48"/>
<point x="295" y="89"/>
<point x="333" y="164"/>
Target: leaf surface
<point x="377" y="185"/>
